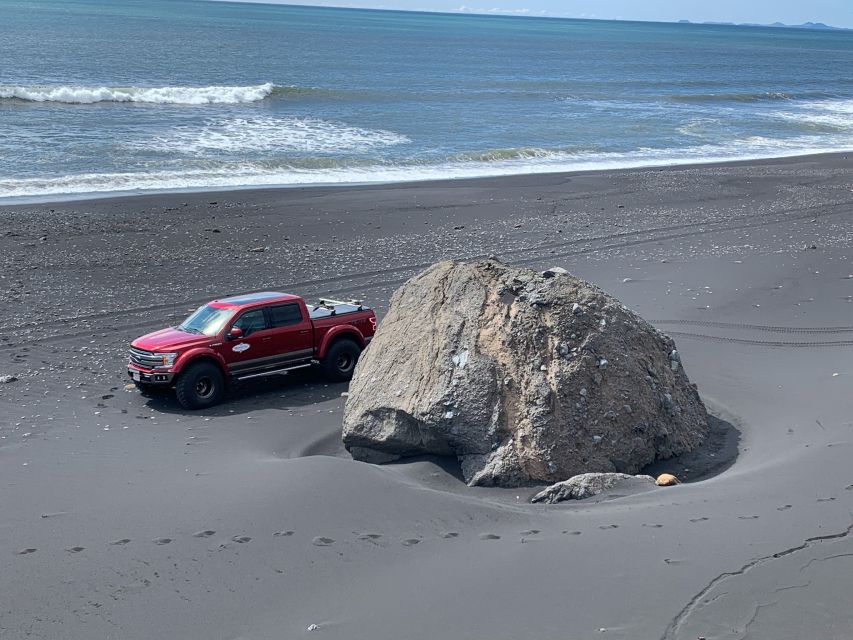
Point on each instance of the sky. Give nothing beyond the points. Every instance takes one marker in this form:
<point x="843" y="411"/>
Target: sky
<point x="837" y="13"/>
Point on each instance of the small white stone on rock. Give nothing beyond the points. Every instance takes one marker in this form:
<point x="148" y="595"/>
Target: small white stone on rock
<point x="461" y="359"/>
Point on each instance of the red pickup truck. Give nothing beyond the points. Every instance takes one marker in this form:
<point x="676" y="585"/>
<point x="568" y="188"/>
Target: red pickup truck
<point x="250" y="336"/>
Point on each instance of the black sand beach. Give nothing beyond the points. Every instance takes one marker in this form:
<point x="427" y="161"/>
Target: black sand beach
<point x="129" y="518"/>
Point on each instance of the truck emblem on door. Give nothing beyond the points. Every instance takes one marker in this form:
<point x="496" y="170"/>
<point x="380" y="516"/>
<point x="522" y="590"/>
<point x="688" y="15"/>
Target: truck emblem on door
<point x="240" y="348"/>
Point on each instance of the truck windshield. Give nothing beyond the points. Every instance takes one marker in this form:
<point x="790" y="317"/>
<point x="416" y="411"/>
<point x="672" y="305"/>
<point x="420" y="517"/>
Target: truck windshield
<point x="206" y="320"/>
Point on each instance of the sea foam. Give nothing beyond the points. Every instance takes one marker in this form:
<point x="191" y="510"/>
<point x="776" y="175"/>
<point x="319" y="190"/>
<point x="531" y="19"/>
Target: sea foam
<point x="70" y="94"/>
<point x="270" y="134"/>
<point x="243" y="174"/>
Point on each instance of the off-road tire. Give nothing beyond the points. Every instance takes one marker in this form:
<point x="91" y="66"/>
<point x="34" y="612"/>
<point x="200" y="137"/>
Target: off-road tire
<point x="340" y="360"/>
<point x="200" y="385"/>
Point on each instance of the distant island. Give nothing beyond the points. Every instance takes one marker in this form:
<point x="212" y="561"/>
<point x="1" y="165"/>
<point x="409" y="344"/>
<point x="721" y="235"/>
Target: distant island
<point x="779" y="25"/>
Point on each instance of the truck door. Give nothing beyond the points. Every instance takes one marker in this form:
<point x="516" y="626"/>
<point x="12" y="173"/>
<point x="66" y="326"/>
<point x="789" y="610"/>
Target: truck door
<point x="292" y="333"/>
<point x="253" y="350"/>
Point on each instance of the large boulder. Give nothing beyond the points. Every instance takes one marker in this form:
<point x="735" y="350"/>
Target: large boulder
<point x="525" y="377"/>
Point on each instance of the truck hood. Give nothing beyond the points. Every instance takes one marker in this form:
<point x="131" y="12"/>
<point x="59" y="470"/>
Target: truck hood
<point x="168" y="340"/>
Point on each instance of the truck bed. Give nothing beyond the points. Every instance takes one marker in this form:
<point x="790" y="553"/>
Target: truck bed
<point x="333" y="308"/>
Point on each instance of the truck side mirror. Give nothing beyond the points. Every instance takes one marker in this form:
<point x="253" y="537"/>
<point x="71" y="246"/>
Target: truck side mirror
<point x="235" y="333"/>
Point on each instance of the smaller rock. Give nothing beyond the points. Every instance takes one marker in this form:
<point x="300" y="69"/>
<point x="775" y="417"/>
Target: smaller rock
<point x="312" y="627"/>
<point x="587" y="485"/>
<point x="7" y="379"/>
<point x="257" y="249"/>
<point x="666" y="480"/>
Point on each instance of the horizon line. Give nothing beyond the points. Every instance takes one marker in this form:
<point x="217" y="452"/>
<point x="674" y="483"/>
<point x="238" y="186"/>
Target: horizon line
<point x="543" y="14"/>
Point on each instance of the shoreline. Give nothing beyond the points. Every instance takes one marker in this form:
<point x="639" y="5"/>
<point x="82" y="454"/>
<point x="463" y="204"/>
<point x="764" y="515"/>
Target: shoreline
<point x="67" y="198"/>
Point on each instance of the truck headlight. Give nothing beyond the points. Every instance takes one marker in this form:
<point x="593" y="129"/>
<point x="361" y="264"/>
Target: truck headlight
<point x="168" y="359"/>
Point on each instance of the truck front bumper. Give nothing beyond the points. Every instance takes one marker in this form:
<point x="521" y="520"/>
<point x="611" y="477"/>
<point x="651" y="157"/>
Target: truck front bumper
<point x="150" y="376"/>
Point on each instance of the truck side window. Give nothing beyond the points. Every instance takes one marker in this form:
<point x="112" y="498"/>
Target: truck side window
<point x="284" y="315"/>
<point x="251" y="321"/>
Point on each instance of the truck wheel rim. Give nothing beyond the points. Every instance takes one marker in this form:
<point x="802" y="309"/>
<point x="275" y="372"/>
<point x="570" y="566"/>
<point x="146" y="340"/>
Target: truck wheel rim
<point x="344" y="362"/>
<point x="204" y="387"/>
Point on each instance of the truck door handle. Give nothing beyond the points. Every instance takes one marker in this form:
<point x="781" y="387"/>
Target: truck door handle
<point x="266" y="339"/>
<point x="305" y="331"/>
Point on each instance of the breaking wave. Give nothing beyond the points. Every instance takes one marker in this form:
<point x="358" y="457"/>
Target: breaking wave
<point x="270" y="134"/>
<point x="511" y="153"/>
<point x="824" y="115"/>
<point x="761" y="96"/>
<point x="70" y="94"/>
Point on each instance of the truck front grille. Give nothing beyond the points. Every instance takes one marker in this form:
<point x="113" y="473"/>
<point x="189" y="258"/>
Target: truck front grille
<point x="145" y="359"/>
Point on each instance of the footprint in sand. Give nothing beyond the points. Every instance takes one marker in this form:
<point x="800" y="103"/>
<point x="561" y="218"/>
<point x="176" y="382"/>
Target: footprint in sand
<point x="654" y="526"/>
<point x="119" y="542"/>
<point x="673" y="561"/>
<point x="75" y="549"/>
<point x="609" y="526"/>
<point x="784" y="507"/>
<point x="24" y="552"/>
<point x="283" y="534"/>
<point x="449" y="534"/>
<point x="572" y="533"/>
<point x="369" y="536"/>
<point x="411" y="542"/>
<point x="826" y="499"/>
<point x="747" y="517"/>
<point x="162" y="541"/>
<point x="698" y="519"/>
<point x="530" y="532"/>
<point x="203" y="534"/>
<point x="320" y="541"/>
<point x="489" y="536"/>
<point x="241" y="539"/>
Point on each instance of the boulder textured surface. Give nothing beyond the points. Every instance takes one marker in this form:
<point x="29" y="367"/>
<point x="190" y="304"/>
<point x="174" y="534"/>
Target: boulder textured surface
<point x="525" y="377"/>
<point x="587" y="485"/>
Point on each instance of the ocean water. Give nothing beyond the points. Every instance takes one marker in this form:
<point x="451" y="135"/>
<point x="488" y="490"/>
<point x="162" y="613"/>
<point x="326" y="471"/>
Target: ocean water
<point x="130" y="95"/>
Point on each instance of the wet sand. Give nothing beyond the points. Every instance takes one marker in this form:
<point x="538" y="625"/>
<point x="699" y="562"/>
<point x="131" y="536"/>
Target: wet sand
<point x="130" y="518"/>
